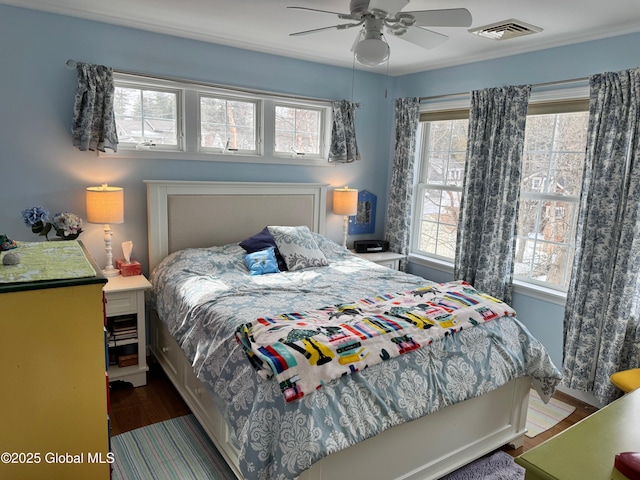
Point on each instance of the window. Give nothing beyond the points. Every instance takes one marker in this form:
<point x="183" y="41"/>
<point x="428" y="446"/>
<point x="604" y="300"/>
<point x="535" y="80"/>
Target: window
<point x="554" y="148"/>
<point x="298" y="130"/>
<point x="440" y="191"/>
<point x="147" y="117"/>
<point x="228" y="124"/>
<point x="553" y="160"/>
<point x="171" y="119"/>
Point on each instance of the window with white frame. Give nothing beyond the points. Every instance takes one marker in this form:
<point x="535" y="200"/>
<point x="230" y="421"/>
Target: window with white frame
<point x="228" y="124"/>
<point x="440" y="188"/>
<point x="554" y="149"/>
<point x="147" y="117"/>
<point x="553" y="160"/>
<point x="197" y="121"/>
<point x="298" y="130"/>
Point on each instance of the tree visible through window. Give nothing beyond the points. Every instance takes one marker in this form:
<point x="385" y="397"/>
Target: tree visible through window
<point x="145" y="116"/>
<point x="550" y="189"/>
<point x="298" y="130"/>
<point x="227" y="124"/>
<point x="441" y="187"/>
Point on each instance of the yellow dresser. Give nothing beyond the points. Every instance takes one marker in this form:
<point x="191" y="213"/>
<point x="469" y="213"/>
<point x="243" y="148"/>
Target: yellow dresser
<point x="53" y="387"/>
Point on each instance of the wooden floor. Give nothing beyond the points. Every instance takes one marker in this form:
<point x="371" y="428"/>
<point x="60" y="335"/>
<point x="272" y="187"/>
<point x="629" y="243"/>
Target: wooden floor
<point x="157" y="401"/>
<point x="133" y="408"/>
<point x="583" y="410"/>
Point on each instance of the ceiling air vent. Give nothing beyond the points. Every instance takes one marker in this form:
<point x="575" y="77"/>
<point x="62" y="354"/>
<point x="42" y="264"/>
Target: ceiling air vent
<point x="505" y="30"/>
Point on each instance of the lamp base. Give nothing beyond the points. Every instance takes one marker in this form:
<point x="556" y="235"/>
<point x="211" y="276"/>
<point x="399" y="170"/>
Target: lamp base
<point x="345" y="229"/>
<point x="110" y="272"/>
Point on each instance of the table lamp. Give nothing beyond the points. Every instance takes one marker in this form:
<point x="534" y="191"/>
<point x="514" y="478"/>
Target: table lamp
<point x="345" y="203"/>
<point x="106" y="205"/>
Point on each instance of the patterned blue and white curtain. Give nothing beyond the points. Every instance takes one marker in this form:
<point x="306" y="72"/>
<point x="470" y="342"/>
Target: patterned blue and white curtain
<point x="344" y="148"/>
<point x="485" y="243"/>
<point x="602" y="314"/>
<point x="94" y="122"/>
<point x="398" y="227"/>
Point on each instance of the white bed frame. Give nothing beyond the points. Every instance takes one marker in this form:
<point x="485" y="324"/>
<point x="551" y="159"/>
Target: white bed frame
<point x="197" y="214"/>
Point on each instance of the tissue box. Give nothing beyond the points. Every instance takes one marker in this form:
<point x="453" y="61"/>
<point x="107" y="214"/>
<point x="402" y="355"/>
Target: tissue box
<point x="128" y="269"/>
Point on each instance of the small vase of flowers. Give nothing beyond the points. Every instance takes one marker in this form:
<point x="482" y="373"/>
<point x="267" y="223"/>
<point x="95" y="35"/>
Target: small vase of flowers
<point x="67" y="225"/>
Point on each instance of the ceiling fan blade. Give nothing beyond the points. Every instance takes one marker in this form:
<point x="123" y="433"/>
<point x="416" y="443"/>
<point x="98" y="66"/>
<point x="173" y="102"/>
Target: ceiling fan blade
<point x="316" y="10"/>
<point x="390" y="6"/>
<point x="450" y="17"/>
<point x="341" y="26"/>
<point x="423" y="38"/>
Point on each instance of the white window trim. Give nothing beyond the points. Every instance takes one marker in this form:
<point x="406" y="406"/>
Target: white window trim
<point x="520" y="287"/>
<point x="190" y="131"/>
<point x="325" y="127"/>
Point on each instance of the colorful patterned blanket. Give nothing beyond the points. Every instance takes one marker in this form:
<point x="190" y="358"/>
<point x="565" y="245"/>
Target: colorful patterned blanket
<point x="304" y="350"/>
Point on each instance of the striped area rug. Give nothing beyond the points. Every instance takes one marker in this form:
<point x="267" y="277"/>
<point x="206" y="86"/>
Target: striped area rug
<point x="541" y="417"/>
<point x="179" y="449"/>
<point x="175" y="449"/>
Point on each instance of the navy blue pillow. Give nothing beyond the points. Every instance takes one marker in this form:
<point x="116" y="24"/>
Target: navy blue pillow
<point x="261" y="241"/>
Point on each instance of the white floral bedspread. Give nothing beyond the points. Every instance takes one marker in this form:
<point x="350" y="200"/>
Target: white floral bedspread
<point x="203" y="295"/>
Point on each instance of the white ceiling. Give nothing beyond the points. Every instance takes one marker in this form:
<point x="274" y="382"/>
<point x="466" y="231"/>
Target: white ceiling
<point x="265" y="25"/>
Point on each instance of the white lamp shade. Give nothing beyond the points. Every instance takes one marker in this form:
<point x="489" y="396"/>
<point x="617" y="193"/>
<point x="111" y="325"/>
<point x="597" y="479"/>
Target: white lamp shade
<point x="345" y="201"/>
<point x="105" y="204"/>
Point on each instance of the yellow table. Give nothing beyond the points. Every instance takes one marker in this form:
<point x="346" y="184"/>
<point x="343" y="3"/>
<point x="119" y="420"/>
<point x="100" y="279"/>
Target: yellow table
<point x="587" y="450"/>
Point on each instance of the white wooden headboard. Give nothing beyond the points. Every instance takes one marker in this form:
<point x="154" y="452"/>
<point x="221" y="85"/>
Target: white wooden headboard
<point x="202" y="214"/>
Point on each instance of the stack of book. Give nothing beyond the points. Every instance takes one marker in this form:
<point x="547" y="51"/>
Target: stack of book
<point x="122" y="328"/>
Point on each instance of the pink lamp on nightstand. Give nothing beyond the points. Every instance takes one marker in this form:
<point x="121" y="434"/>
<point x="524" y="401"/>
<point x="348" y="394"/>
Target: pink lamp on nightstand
<point x="106" y="205"/>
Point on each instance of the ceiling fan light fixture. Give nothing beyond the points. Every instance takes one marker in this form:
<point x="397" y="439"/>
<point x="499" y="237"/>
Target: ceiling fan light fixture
<point x="372" y="51"/>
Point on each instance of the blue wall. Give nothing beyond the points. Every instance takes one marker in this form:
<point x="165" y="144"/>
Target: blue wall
<point x="40" y="167"/>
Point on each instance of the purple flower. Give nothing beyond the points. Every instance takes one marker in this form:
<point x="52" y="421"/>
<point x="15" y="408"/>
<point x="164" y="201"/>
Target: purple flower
<point x="33" y="215"/>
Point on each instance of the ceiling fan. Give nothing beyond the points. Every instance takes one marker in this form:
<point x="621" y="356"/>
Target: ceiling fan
<point x="370" y="48"/>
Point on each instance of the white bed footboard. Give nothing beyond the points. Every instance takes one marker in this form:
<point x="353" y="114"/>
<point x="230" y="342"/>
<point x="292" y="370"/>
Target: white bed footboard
<point x="427" y="448"/>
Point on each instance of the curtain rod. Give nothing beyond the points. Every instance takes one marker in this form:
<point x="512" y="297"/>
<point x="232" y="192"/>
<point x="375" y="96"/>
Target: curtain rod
<point x="72" y="64"/>
<point x="537" y="85"/>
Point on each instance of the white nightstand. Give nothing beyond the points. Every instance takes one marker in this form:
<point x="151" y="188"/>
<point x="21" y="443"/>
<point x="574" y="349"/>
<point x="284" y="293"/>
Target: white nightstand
<point x="125" y="311"/>
<point x="386" y="259"/>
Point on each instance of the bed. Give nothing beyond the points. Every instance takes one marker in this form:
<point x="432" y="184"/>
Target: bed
<point x="419" y="415"/>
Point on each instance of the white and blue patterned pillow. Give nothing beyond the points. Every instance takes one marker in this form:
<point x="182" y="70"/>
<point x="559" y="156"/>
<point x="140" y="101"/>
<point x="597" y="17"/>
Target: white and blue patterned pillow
<point x="298" y="247"/>
<point x="261" y="262"/>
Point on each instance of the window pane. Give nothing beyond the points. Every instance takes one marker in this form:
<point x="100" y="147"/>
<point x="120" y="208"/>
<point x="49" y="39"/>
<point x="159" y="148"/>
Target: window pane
<point x="455" y="172"/>
<point x="428" y="237"/>
<point x="297" y="130"/>
<point x="226" y="123"/>
<point x="436" y="168"/>
<point x="571" y="132"/>
<point x="566" y="173"/>
<point x="285" y="119"/>
<point x="144" y="115"/>
<point x="445" y="156"/>
<point x="534" y="172"/>
<point x="539" y="133"/>
<point x="447" y="241"/>
<point x="440" y="209"/>
<point x="213" y="110"/>
<point x="285" y="141"/>
<point x="440" y="136"/>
